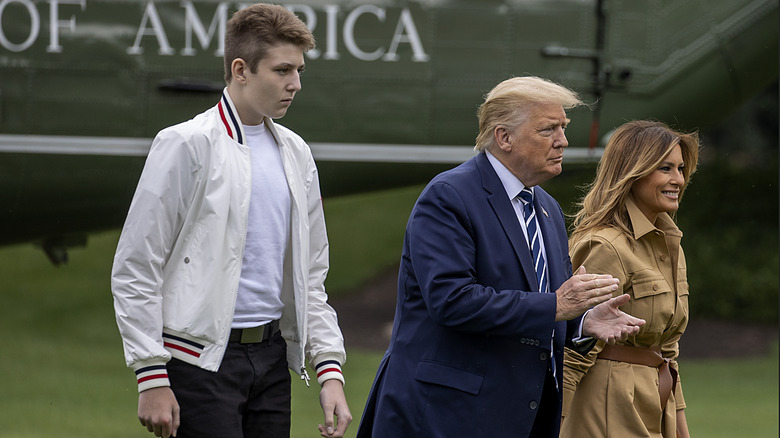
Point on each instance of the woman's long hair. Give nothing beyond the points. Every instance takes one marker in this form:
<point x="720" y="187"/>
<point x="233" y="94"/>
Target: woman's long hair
<point x="635" y="150"/>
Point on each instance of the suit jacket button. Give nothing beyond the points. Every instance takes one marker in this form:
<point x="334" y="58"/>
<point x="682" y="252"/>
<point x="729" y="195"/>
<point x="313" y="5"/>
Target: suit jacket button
<point x="533" y="405"/>
<point x="543" y="356"/>
<point x="186" y="259"/>
<point x="536" y="342"/>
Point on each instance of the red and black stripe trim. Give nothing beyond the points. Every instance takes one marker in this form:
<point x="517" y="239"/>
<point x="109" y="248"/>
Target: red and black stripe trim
<point x="149" y="373"/>
<point x="182" y="345"/>
<point x="329" y="369"/>
<point x="230" y="118"/>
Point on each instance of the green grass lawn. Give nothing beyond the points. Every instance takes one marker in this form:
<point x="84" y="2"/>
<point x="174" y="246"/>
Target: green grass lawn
<point x="732" y="398"/>
<point x="62" y="372"/>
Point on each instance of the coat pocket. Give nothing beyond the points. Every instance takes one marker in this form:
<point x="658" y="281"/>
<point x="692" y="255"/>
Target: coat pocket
<point x="648" y="285"/>
<point x="445" y="375"/>
<point x="653" y="300"/>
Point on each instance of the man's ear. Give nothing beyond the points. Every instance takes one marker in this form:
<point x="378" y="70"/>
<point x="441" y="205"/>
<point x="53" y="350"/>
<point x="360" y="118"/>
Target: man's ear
<point x="238" y="70"/>
<point x="503" y="138"/>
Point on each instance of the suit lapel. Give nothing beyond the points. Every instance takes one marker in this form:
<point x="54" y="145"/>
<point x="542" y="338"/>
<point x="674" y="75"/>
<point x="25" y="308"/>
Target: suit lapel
<point x="502" y="207"/>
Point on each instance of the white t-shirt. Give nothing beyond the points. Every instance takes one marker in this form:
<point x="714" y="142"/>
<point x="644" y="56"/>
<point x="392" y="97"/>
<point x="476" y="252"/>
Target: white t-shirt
<point x="260" y="286"/>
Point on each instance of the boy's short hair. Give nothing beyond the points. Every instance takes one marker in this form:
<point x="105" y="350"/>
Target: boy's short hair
<point x="252" y="30"/>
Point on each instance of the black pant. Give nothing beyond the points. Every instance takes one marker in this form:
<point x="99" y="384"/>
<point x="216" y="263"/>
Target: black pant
<point x="248" y="397"/>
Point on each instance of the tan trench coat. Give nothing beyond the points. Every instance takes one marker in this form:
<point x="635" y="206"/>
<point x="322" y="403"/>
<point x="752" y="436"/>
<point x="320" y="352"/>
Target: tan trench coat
<point x="605" y="398"/>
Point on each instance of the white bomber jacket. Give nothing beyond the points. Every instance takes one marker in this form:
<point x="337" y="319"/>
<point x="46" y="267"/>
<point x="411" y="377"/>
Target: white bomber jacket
<point x="178" y="261"/>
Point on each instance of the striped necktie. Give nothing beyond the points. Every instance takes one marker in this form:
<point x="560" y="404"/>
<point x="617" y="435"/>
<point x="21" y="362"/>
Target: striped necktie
<point x="527" y="198"/>
<point x="531" y="226"/>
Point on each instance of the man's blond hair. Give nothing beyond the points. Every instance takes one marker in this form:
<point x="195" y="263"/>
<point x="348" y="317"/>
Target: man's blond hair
<point x="508" y="104"/>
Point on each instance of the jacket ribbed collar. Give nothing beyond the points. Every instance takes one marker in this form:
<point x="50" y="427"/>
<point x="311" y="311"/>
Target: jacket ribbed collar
<point x="230" y="120"/>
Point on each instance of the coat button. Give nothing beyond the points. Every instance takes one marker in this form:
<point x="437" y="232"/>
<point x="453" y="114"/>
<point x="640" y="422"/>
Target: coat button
<point x="543" y="356"/>
<point x="663" y="257"/>
<point x="533" y="405"/>
<point x="655" y="287"/>
<point x="186" y="259"/>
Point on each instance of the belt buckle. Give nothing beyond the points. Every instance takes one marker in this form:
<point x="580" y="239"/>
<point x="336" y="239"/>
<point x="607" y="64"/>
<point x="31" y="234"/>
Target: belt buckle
<point x="252" y="335"/>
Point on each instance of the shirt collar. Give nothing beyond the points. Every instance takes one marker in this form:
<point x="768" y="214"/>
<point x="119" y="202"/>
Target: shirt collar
<point x="512" y="185"/>
<point x="642" y="225"/>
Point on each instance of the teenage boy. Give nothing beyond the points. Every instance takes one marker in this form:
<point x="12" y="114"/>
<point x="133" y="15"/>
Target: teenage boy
<point x="218" y="278"/>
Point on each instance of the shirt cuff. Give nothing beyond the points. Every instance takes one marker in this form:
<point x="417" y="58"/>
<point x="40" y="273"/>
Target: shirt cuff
<point x="581" y="340"/>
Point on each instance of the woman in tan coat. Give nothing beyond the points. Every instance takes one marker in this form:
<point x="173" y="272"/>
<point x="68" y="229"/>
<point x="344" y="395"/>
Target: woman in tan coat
<point x="626" y="228"/>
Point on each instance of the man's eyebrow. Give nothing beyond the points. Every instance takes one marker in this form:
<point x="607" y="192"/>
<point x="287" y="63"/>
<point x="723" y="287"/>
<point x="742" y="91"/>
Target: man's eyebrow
<point x="555" y="121"/>
<point x="288" y="64"/>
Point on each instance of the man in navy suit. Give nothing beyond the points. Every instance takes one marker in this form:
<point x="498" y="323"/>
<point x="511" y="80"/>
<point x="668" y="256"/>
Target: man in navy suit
<point x="477" y="347"/>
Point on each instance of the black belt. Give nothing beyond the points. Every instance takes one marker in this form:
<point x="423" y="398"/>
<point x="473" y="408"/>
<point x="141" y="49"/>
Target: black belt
<point x="254" y="335"/>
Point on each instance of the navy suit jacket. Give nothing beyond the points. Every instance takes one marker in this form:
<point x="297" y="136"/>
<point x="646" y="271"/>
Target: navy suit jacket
<point x="471" y="338"/>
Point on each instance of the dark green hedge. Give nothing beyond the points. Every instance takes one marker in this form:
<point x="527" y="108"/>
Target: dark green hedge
<point x="729" y="218"/>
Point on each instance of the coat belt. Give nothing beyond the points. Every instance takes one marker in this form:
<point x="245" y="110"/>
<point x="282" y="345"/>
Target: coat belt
<point x="647" y="356"/>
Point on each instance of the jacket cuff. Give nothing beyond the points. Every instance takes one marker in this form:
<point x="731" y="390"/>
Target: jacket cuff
<point x="328" y="368"/>
<point x="151" y="375"/>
